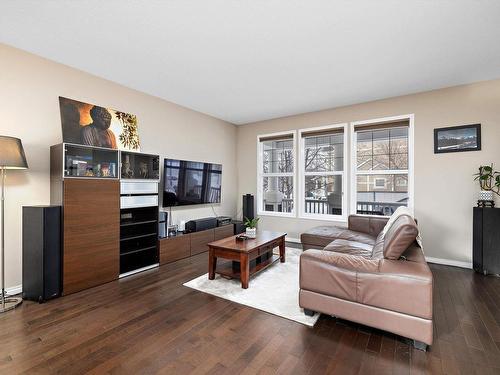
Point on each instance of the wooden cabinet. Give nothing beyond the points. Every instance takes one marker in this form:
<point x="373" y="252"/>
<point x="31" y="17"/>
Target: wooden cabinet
<point x="186" y="245"/>
<point x="223" y="232"/>
<point x="200" y="241"/>
<point x="174" y="248"/>
<point x="91" y="220"/>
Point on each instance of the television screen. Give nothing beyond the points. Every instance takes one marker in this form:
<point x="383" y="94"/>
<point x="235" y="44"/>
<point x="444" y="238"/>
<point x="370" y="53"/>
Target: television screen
<point x="191" y="182"/>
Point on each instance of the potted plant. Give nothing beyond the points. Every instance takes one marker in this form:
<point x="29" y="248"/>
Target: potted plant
<point x="251" y="227"/>
<point x="489" y="181"/>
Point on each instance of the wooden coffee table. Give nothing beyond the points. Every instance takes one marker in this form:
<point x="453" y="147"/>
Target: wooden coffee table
<point x="245" y="252"/>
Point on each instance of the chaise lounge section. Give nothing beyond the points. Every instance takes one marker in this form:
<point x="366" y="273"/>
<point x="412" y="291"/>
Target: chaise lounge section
<point x="369" y="274"/>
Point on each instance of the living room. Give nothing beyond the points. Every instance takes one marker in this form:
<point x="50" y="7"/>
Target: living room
<point x="251" y="187"/>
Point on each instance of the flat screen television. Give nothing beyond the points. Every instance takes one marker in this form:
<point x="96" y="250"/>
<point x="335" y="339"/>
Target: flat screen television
<point x="191" y="182"/>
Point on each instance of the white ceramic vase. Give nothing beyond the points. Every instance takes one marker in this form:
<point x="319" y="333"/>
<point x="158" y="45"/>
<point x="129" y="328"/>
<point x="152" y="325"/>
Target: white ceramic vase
<point x="251" y="232"/>
<point x="485" y="195"/>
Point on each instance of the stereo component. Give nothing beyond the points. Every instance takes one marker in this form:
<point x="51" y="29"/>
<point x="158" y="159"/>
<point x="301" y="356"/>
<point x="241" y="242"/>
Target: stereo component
<point x="223" y="220"/>
<point x="201" y="224"/>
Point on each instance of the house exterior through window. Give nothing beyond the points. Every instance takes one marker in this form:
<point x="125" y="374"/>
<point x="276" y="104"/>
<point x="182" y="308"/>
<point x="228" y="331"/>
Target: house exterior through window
<point x="322" y="172"/>
<point x="276" y="174"/>
<point x="381" y="167"/>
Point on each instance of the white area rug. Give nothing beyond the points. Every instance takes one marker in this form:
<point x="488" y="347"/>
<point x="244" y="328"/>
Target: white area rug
<point x="274" y="290"/>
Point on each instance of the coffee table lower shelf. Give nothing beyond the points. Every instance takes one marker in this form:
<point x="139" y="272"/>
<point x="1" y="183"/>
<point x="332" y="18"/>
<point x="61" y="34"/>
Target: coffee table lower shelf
<point x="225" y="269"/>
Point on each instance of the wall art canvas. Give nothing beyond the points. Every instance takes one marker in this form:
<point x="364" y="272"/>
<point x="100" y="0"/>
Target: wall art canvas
<point x="457" y="138"/>
<point x="92" y="125"/>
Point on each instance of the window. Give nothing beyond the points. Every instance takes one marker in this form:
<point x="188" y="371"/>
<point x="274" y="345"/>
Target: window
<point x="322" y="172"/>
<point x="380" y="183"/>
<point x="379" y="175"/>
<point x="276" y="174"/>
<point x="381" y="167"/>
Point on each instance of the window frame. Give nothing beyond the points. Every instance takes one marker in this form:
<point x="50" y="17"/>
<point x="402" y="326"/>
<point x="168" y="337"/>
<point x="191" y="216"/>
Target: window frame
<point x="409" y="171"/>
<point x="302" y="174"/>
<point x="261" y="175"/>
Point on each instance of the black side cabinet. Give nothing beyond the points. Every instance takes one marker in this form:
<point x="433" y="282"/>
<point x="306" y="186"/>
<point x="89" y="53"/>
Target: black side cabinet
<point x="42" y="259"/>
<point x="486" y="240"/>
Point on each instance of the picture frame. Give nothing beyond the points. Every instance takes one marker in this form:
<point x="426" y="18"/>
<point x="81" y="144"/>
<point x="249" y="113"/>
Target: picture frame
<point x="92" y="125"/>
<point x="457" y="138"/>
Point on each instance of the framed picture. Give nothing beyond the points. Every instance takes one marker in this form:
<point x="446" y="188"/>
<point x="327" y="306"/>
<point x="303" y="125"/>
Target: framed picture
<point x="457" y="138"/>
<point x="92" y="125"/>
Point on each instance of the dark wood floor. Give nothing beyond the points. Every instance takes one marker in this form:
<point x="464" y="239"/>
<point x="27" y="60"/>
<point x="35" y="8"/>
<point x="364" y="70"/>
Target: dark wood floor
<point x="151" y="324"/>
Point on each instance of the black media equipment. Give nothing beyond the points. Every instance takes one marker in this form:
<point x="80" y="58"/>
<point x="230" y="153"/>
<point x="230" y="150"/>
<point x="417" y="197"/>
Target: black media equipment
<point x="162" y="224"/>
<point x="248" y="207"/>
<point x="239" y="227"/>
<point x="486" y="240"/>
<point x="201" y="224"/>
<point x="42" y="254"/>
<point x="223" y="220"/>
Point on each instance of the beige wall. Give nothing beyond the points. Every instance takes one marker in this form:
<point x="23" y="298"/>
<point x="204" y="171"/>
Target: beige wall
<point x="444" y="188"/>
<point x="29" y="109"/>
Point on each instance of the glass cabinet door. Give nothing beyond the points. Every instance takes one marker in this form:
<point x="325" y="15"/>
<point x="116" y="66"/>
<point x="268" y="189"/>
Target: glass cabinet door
<point x="81" y="161"/>
<point x="140" y="166"/>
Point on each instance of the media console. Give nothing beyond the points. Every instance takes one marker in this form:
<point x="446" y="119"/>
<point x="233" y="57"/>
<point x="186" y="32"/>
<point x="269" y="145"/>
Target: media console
<point x="186" y="245"/>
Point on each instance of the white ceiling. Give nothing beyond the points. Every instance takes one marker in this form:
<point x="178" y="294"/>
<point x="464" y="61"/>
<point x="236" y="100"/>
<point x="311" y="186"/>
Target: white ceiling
<point x="244" y="61"/>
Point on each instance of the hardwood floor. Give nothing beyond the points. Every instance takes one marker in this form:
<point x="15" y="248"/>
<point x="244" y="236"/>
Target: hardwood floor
<point x="150" y="323"/>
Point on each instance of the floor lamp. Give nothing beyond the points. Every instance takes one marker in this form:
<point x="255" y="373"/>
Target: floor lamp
<point x="11" y="157"/>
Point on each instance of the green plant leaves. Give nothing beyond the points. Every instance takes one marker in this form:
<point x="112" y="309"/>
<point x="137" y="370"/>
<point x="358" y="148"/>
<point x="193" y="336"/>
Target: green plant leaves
<point x="488" y="178"/>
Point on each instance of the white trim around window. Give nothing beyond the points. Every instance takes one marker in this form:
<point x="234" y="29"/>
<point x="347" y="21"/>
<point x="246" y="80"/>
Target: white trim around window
<point x="261" y="175"/>
<point x="410" y="172"/>
<point x="301" y="173"/>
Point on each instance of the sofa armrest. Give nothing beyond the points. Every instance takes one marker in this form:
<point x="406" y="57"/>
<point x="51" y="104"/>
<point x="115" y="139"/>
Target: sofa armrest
<point x="399" y="285"/>
<point x="371" y="225"/>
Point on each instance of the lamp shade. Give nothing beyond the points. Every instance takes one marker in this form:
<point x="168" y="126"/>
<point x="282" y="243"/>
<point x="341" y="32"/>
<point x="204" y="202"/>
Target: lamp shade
<point x="12" y="153"/>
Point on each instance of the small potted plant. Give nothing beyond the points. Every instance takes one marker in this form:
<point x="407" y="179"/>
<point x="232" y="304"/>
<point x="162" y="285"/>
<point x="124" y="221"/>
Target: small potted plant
<point x="251" y="227"/>
<point x="489" y="181"/>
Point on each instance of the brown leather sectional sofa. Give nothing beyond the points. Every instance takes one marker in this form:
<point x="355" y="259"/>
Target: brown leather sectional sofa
<point x="361" y="275"/>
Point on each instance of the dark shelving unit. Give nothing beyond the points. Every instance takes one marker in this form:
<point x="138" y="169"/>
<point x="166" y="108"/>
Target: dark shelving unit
<point x="139" y="211"/>
<point x="138" y="238"/>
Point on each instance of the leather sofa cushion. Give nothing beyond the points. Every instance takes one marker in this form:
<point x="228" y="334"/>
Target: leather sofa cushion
<point x="323" y="235"/>
<point x="371" y="225"/>
<point x="399" y="237"/>
<point x="331" y="273"/>
<point x="350" y="247"/>
<point x="351" y="235"/>
<point x="378" y="248"/>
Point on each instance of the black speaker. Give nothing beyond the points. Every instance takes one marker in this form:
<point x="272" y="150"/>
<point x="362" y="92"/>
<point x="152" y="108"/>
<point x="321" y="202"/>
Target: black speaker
<point x="248" y="207"/>
<point x="162" y="224"/>
<point x="42" y="252"/>
<point x="486" y="240"/>
<point x="239" y="227"/>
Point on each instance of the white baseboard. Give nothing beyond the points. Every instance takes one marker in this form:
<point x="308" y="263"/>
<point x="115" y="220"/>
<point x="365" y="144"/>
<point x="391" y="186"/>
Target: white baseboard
<point x="447" y="262"/>
<point x="291" y="239"/>
<point x="14" y="290"/>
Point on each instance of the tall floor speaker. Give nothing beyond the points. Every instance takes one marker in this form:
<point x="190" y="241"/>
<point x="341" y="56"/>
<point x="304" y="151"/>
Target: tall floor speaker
<point x="42" y="254"/>
<point x="248" y="207"/>
<point x="486" y="240"/>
